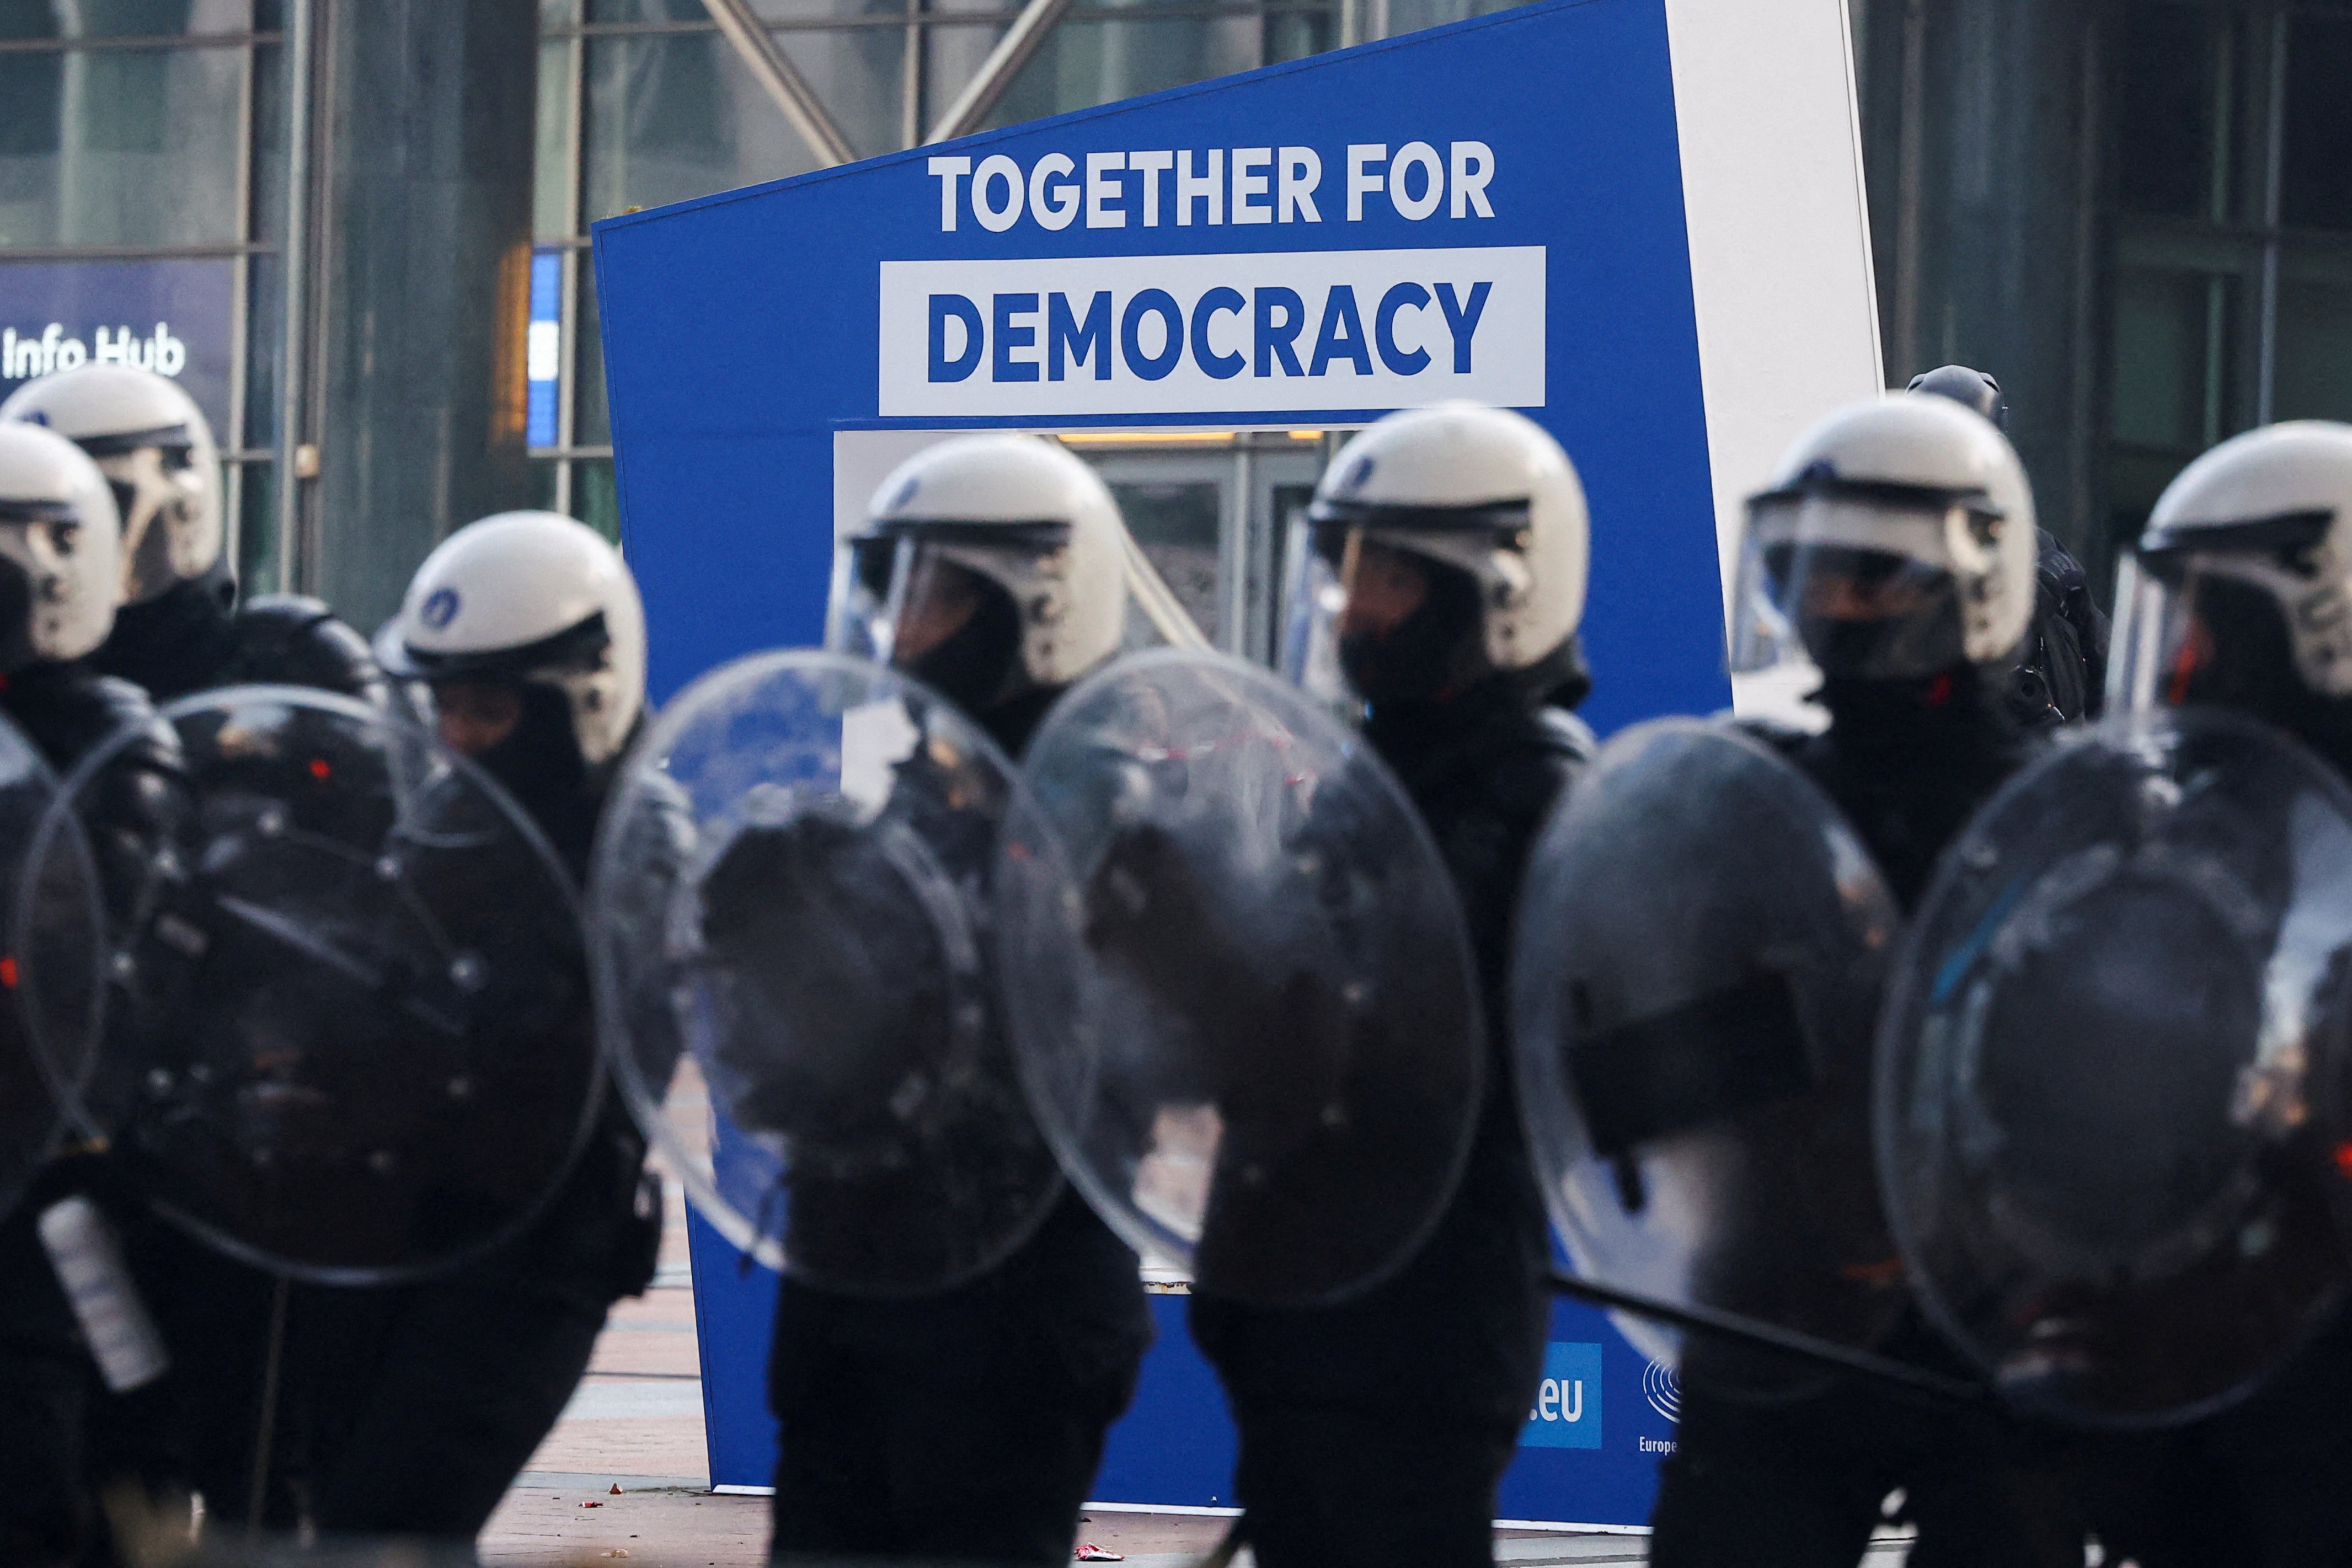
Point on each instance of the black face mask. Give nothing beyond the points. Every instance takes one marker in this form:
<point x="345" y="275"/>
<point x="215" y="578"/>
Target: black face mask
<point x="1924" y="638"/>
<point x="540" y="766"/>
<point x="1438" y="650"/>
<point x="15" y="617"/>
<point x="2245" y="661"/>
<point x="979" y="666"/>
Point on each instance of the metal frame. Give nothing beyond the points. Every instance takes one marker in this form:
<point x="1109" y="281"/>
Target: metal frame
<point x="293" y="349"/>
<point x="1015" y="49"/>
<point x="783" y="80"/>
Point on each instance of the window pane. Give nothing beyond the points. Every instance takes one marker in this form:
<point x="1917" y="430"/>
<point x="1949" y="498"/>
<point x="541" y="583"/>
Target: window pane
<point x="1177" y="523"/>
<point x="590" y="425"/>
<point x="1411" y="15"/>
<point x="647" y="11"/>
<point x="1295" y="35"/>
<point x="1083" y="64"/>
<point x="2172" y="353"/>
<point x="257" y="530"/>
<point x="859" y="75"/>
<point x="832" y="10"/>
<point x="265" y="317"/>
<point x="2316" y="178"/>
<point x="119" y="147"/>
<point x="2168" y="80"/>
<point x="675" y="116"/>
<point x="268" y="175"/>
<point x="2314" y="337"/>
<point x="550" y="200"/>
<point x="121" y="18"/>
<point x="595" y="500"/>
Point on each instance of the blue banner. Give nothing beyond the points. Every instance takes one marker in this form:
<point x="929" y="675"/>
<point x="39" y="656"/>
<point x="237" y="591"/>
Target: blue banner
<point x="1528" y="208"/>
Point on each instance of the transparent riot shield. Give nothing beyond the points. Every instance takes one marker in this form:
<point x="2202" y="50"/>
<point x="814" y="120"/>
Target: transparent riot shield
<point x="32" y="1116"/>
<point x="342" y="1028"/>
<point x="1252" y="1029"/>
<point x="1701" y="947"/>
<point x="2111" y="1117"/>
<point x="797" y="968"/>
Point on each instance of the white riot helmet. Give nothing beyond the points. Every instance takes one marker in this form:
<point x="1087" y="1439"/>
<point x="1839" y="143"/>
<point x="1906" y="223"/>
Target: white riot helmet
<point x="1896" y="542"/>
<point x="537" y="599"/>
<point x="151" y="440"/>
<point x="2239" y="591"/>
<point x="1484" y="494"/>
<point x="990" y="566"/>
<point x="60" y="573"/>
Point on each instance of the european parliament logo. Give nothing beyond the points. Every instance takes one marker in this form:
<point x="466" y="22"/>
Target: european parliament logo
<point x="1567" y="1413"/>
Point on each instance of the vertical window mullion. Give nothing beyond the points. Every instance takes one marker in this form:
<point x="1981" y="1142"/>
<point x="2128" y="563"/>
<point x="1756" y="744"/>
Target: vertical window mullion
<point x="567" y="378"/>
<point x="910" y="78"/>
<point x="2273" y="161"/>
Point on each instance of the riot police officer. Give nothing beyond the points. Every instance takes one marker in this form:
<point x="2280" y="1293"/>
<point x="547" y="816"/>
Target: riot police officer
<point x="2062" y="669"/>
<point x="1894" y="555"/>
<point x="2235" y="596"/>
<point x="966" y="1424"/>
<point x="412" y="1408"/>
<point x="1442" y="599"/>
<point x="59" y="586"/>
<point x="181" y="628"/>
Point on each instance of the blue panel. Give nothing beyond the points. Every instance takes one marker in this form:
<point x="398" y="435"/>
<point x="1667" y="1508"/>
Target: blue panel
<point x="543" y="356"/>
<point x="1175" y="1446"/>
<point x="743" y="330"/>
<point x="734" y="1307"/>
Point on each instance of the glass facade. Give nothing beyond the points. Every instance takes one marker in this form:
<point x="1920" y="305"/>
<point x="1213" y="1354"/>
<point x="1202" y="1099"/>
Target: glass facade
<point x="143" y="157"/>
<point x="644" y="101"/>
<point x="2231" y="285"/>
<point x="134" y="138"/>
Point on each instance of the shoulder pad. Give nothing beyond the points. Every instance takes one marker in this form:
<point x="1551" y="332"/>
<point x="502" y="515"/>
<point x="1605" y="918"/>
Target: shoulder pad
<point x="126" y="706"/>
<point x="1563" y="733"/>
<point x="1782" y="737"/>
<point x="292" y="639"/>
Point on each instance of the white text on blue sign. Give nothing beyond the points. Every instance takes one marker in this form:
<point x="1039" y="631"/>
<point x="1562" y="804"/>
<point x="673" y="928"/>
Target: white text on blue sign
<point x="1186" y="334"/>
<point x="1567" y="1413"/>
<point x="1183" y="186"/>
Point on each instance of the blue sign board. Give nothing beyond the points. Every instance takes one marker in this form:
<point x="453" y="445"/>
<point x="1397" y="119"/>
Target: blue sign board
<point x="174" y="315"/>
<point x="1639" y="221"/>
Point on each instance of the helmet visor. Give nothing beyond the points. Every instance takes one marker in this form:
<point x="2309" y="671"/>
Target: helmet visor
<point x="2204" y="628"/>
<point x="894" y="572"/>
<point x="1859" y="587"/>
<point x="1384" y="614"/>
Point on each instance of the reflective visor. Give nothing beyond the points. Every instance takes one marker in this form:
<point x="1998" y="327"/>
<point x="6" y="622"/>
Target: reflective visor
<point x="1855" y="580"/>
<point x="2190" y="629"/>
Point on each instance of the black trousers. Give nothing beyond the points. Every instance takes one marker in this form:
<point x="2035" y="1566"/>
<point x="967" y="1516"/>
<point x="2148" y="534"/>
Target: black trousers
<point x="459" y="1380"/>
<point x="1799" y="1484"/>
<point x="1376" y="1432"/>
<point x="51" y="1399"/>
<point x="2262" y="1485"/>
<point x="960" y="1428"/>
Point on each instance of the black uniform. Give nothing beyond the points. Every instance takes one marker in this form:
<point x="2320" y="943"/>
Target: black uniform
<point x="964" y="1425"/>
<point x="62" y="1435"/>
<point x="412" y="1408"/>
<point x="212" y="1311"/>
<point x="1801" y="1482"/>
<point x="195" y="637"/>
<point x="2260" y="1483"/>
<point x="1376" y="1432"/>
<point x="2062" y="671"/>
